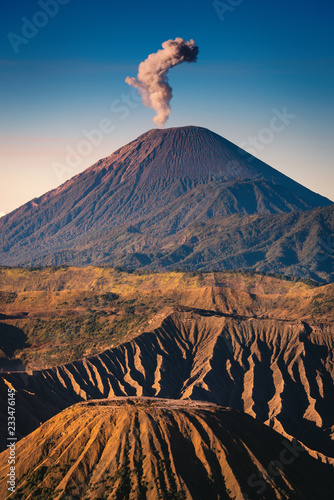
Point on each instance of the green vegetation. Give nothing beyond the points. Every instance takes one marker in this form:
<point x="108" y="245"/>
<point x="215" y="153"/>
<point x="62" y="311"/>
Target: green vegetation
<point x="164" y="467"/>
<point x="35" y="479"/>
<point x="122" y="479"/>
<point x="7" y="297"/>
<point x="323" y="304"/>
<point x="61" y="331"/>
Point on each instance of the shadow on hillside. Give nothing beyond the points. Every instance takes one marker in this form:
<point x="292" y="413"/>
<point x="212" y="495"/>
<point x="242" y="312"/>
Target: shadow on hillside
<point x="11" y="339"/>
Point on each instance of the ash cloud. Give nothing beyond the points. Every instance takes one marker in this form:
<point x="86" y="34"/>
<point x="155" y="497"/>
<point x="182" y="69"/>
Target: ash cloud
<point x="152" y="79"/>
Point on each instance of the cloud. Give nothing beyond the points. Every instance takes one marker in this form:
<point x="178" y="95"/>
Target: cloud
<point x="152" y="78"/>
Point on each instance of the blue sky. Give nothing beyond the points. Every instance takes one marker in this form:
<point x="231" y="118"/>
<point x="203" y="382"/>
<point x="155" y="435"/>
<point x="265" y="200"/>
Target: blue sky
<point x="61" y="80"/>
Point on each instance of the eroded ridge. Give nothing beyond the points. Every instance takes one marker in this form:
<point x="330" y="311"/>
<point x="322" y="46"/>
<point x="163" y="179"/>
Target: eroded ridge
<point x="280" y="372"/>
<point x="149" y="448"/>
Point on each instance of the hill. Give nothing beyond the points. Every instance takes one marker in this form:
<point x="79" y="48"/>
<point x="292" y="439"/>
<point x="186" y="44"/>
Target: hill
<point x="52" y="316"/>
<point x="295" y="244"/>
<point x="257" y="344"/>
<point x="142" y="448"/>
<point x="132" y="207"/>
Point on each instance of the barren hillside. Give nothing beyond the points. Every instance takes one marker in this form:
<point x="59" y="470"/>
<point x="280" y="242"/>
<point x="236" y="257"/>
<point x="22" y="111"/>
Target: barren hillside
<point x="278" y="371"/>
<point x="142" y="448"/>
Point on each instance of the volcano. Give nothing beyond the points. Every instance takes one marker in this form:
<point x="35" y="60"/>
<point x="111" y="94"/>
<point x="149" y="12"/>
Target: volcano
<point x="150" y="448"/>
<point x="149" y="204"/>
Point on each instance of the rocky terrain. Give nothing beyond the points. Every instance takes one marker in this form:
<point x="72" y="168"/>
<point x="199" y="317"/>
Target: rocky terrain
<point x="151" y="448"/>
<point x="280" y="372"/>
<point x="176" y="198"/>
<point x="189" y="355"/>
<point x="52" y="316"/>
<point x="256" y="344"/>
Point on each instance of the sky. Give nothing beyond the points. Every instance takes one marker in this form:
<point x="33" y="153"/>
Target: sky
<point x="64" y="102"/>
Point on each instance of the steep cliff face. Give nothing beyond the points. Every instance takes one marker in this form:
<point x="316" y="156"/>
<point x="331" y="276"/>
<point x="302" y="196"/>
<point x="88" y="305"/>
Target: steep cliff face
<point x="279" y="371"/>
<point x="142" y="448"/>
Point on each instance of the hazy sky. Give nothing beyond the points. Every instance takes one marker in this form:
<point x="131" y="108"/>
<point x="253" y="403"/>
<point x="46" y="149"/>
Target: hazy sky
<point x="66" y="77"/>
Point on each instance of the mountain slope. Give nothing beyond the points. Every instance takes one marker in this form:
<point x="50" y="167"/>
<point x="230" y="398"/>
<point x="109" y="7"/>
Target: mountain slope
<point x="296" y="243"/>
<point x="279" y="371"/>
<point x="143" y="448"/>
<point x="52" y="316"/>
<point x="188" y="168"/>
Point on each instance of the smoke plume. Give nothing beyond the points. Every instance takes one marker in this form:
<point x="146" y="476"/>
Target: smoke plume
<point x="152" y="78"/>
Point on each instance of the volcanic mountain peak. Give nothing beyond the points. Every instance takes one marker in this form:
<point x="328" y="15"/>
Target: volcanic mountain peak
<point x="190" y="151"/>
<point x="170" y="177"/>
<point x="161" y="160"/>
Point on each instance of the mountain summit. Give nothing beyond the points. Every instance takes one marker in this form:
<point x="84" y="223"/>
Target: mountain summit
<point x="192" y="152"/>
<point x="197" y="154"/>
<point x="167" y="163"/>
<point x="163" y="181"/>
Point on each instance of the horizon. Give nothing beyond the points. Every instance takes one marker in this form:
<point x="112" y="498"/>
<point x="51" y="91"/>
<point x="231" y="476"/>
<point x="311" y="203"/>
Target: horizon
<point x="162" y="129"/>
<point x="56" y="90"/>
